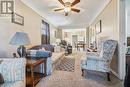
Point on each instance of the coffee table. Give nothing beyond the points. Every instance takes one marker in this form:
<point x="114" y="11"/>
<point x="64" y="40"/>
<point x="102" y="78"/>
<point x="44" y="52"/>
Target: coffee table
<point x="31" y="77"/>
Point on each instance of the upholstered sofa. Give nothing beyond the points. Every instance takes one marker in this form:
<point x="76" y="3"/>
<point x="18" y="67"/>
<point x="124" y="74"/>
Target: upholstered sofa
<point x="13" y="72"/>
<point x="53" y="58"/>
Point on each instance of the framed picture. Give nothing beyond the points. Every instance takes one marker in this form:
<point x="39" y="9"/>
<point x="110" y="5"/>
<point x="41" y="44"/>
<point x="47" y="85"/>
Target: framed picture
<point x="17" y="19"/>
<point x="98" y="27"/>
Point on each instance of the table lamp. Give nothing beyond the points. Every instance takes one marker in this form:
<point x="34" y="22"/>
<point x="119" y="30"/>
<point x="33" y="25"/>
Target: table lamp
<point x="20" y="39"/>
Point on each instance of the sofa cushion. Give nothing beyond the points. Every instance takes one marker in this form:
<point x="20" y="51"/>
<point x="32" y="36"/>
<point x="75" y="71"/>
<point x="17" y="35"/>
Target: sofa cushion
<point x="56" y="56"/>
<point x="43" y="54"/>
<point x="1" y="79"/>
<point x="13" y="69"/>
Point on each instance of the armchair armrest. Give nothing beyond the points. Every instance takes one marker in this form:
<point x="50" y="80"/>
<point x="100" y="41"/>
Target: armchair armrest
<point x="92" y="53"/>
<point x="98" y="64"/>
<point x="96" y="58"/>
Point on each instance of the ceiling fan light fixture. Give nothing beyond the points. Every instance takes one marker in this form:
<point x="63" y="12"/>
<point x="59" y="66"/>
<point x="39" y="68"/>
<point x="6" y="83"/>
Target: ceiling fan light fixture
<point x="68" y="0"/>
<point x="68" y="6"/>
<point x="67" y="9"/>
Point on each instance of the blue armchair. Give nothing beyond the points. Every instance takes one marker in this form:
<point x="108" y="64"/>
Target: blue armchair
<point x="102" y="61"/>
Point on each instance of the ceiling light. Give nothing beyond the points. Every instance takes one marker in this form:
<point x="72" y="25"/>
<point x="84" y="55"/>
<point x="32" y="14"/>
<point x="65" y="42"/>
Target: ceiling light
<point x="67" y="9"/>
<point x="68" y="0"/>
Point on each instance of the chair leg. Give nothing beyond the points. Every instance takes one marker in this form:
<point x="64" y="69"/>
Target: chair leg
<point x="108" y="76"/>
<point x="82" y="72"/>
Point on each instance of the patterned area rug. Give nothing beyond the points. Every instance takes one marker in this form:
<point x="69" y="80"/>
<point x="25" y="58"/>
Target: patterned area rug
<point x="67" y="64"/>
<point x="74" y="79"/>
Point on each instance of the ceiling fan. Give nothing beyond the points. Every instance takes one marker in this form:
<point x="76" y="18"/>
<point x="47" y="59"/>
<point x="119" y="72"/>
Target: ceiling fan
<point x="68" y="6"/>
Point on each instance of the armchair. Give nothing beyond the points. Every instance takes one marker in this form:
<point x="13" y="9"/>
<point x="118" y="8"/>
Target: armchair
<point x="13" y="72"/>
<point x="102" y="61"/>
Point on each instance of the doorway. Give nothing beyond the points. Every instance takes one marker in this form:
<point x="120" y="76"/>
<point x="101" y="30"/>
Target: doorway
<point x="74" y="40"/>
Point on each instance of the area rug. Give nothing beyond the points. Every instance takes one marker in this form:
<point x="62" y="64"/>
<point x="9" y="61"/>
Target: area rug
<point x="67" y="64"/>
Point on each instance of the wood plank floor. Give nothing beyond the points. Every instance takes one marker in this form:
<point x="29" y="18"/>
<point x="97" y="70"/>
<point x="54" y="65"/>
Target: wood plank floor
<point x="74" y="79"/>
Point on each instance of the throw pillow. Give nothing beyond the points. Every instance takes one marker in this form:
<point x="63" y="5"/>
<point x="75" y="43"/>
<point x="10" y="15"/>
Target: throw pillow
<point x="1" y="79"/>
<point x="31" y="53"/>
<point x="42" y="49"/>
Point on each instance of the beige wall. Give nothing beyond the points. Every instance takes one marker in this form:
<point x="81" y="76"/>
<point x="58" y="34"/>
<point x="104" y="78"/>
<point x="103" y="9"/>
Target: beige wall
<point x="32" y="26"/>
<point x="109" y="18"/>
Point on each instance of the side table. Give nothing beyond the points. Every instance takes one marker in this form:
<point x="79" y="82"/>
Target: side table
<point x="31" y="77"/>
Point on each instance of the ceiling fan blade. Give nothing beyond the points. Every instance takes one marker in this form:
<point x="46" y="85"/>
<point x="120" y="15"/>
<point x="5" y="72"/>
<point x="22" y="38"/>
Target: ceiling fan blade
<point x="59" y="9"/>
<point x="66" y="14"/>
<point x="61" y="2"/>
<point x="75" y="2"/>
<point x="75" y="10"/>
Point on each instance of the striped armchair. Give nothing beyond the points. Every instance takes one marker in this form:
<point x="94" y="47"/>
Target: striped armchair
<point x="13" y="72"/>
<point x="102" y="61"/>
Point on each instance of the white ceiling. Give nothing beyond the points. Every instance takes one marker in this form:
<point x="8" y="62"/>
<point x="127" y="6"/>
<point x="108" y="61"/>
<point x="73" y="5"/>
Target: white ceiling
<point x="89" y="10"/>
<point x="74" y="30"/>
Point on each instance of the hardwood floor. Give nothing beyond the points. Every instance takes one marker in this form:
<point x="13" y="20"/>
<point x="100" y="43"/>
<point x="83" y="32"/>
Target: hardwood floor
<point x="74" y="79"/>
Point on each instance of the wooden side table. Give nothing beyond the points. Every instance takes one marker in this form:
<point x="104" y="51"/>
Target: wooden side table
<point x="33" y="78"/>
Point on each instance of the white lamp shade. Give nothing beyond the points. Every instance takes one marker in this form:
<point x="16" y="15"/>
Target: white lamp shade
<point x="20" y="38"/>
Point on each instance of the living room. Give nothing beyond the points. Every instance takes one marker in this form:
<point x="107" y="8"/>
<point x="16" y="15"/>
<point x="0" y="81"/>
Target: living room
<point x="66" y="39"/>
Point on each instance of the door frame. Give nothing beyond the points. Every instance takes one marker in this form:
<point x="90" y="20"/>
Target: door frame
<point x="122" y="38"/>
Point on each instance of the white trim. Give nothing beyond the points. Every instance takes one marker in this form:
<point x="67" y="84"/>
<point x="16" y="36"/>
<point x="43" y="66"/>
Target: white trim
<point x="122" y="39"/>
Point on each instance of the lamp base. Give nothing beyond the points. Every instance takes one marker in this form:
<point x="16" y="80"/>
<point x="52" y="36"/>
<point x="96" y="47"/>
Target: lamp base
<point x="21" y="51"/>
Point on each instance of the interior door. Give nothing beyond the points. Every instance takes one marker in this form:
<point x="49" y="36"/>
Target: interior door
<point x="74" y="40"/>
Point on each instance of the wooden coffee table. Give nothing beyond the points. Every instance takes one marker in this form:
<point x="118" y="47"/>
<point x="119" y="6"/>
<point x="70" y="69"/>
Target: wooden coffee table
<point x="31" y="77"/>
